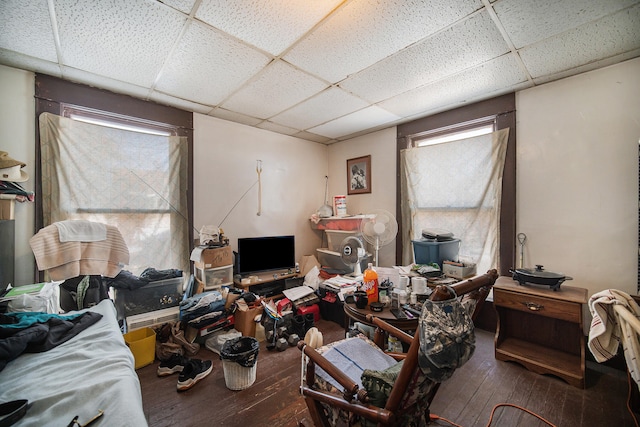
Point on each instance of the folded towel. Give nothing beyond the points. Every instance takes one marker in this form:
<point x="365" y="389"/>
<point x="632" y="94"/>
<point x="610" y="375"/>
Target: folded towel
<point x="81" y="231"/>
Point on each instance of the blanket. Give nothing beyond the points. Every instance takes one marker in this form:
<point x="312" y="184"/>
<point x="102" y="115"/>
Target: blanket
<point x="608" y="329"/>
<point x="38" y="332"/>
<point x="65" y="260"/>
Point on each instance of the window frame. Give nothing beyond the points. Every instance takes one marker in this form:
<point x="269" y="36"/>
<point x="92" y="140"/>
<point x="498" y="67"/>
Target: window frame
<point x="52" y="94"/>
<point x="503" y="110"/>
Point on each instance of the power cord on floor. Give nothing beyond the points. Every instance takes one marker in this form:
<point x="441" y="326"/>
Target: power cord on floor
<point x="433" y="417"/>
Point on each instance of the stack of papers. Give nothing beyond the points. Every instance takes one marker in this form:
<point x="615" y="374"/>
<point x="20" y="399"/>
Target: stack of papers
<point x="339" y="282"/>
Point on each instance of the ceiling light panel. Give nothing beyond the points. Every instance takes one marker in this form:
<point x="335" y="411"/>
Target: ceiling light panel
<point x="529" y="21"/>
<point x="498" y="75"/>
<point x="272" y="28"/>
<point x="207" y="66"/>
<point x="128" y="41"/>
<point x="277" y="88"/>
<point x="360" y="120"/>
<point x="467" y="44"/>
<point x="364" y="32"/>
<point x="612" y="35"/>
<point x="26" y="29"/>
<point x="327" y="105"/>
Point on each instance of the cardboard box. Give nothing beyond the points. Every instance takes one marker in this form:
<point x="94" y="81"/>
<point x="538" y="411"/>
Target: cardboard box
<point x="245" y="319"/>
<point x="212" y="257"/>
<point x="7" y="208"/>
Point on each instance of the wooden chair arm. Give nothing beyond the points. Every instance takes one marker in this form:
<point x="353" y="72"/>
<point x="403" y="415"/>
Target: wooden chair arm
<point x="350" y="387"/>
<point x="370" y="412"/>
<point x="391" y="330"/>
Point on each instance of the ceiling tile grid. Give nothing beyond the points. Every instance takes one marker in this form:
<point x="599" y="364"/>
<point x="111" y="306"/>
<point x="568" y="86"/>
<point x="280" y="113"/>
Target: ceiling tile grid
<point x="364" y="32"/>
<point x="26" y="28"/>
<point x="530" y="21"/>
<point x="273" y="28"/>
<point x="466" y="44"/>
<point x="325" y="106"/>
<point x="590" y="42"/>
<point x="207" y="66"/>
<point x="323" y="71"/>
<point x="277" y="88"/>
<point x="495" y="77"/>
<point x="148" y="30"/>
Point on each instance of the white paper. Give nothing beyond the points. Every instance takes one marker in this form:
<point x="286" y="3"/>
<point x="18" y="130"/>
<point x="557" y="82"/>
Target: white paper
<point x="298" y="292"/>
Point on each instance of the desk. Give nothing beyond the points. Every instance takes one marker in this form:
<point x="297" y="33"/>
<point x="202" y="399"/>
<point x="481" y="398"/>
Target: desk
<point x="360" y="315"/>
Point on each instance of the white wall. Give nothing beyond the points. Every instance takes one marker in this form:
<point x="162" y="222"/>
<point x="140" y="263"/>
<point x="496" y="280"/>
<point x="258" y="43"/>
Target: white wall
<point x="17" y="135"/>
<point x="577" y="176"/>
<point x="381" y="146"/>
<point x="293" y="178"/>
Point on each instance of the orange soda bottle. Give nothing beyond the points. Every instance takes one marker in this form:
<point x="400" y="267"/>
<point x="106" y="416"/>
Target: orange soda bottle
<point x="370" y="284"/>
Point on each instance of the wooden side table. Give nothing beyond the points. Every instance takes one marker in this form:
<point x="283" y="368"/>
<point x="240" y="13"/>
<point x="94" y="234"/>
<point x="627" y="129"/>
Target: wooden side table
<point x="541" y="329"/>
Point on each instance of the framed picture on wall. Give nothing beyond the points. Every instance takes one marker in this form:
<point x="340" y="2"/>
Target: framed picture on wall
<point x="359" y="175"/>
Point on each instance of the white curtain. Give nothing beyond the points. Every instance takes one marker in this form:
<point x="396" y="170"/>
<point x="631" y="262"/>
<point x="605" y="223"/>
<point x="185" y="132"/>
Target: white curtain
<point x="134" y="181"/>
<point x="455" y="186"/>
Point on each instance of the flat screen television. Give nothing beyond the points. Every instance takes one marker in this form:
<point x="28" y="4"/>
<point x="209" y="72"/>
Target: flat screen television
<point x="258" y="254"/>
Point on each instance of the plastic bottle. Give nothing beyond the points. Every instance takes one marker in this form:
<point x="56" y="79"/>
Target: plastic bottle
<point x="370" y="284"/>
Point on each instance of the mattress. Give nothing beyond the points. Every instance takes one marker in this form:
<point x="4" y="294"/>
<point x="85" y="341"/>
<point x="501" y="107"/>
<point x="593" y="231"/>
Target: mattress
<point x="92" y="371"/>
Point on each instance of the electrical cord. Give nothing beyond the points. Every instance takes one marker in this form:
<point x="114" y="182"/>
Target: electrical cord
<point x="434" y="417"/>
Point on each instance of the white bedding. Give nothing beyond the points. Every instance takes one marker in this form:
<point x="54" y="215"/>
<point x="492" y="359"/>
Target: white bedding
<point x="92" y="371"/>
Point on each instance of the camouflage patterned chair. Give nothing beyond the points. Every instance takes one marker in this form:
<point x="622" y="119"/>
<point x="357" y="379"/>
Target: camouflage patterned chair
<point x="355" y="382"/>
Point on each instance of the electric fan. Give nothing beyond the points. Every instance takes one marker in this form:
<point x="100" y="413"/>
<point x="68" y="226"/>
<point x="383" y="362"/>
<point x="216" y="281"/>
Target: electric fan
<point x="378" y="228"/>
<point x="352" y="252"/>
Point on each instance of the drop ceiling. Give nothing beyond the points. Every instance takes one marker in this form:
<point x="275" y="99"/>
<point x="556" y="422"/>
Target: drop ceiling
<point x="321" y="70"/>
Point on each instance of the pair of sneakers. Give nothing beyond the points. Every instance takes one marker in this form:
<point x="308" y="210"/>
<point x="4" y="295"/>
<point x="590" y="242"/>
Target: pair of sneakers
<point x="191" y="371"/>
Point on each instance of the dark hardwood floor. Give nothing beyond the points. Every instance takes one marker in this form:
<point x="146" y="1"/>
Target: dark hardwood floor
<point x="466" y="399"/>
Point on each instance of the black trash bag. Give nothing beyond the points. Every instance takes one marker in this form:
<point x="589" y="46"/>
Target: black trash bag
<point x="242" y="350"/>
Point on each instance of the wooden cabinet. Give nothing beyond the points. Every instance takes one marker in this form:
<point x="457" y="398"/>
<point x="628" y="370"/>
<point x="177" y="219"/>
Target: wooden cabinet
<point x="541" y="329"/>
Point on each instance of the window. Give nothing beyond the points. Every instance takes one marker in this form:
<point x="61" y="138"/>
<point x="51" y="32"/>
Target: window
<point x="449" y="202"/>
<point x="130" y="171"/>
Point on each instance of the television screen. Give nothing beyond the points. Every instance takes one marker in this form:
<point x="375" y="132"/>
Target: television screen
<point x="257" y="254"/>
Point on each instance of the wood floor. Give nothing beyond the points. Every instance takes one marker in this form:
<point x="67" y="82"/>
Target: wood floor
<point x="466" y="399"/>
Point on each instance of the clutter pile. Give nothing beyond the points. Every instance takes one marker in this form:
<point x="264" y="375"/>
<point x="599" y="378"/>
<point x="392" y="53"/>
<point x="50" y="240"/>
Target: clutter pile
<point x="11" y="174"/>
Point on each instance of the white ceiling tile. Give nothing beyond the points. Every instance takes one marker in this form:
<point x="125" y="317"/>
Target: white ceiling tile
<point x="127" y="41"/>
<point x="591" y="42"/>
<point x="327" y="105"/>
<point x="496" y="75"/>
<point x="102" y="82"/>
<point x="181" y="5"/>
<point x="183" y="104"/>
<point x="234" y="117"/>
<point x="26" y="28"/>
<point x="364" y="32"/>
<point x="277" y="88"/>
<point x="529" y="21"/>
<point x="18" y="60"/>
<point x="364" y="119"/>
<point x="467" y="44"/>
<point x="274" y="127"/>
<point x="208" y="66"/>
<point x="272" y="28"/>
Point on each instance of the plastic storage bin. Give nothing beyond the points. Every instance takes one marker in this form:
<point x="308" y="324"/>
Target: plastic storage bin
<point x="428" y="251"/>
<point x="142" y="343"/>
<point x="214" y="278"/>
<point x="239" y="362"/>
<point x="150" y="297"/>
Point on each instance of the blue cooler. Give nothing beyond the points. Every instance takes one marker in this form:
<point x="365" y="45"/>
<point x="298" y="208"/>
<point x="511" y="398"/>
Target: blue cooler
<point x="431" y="251"/>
